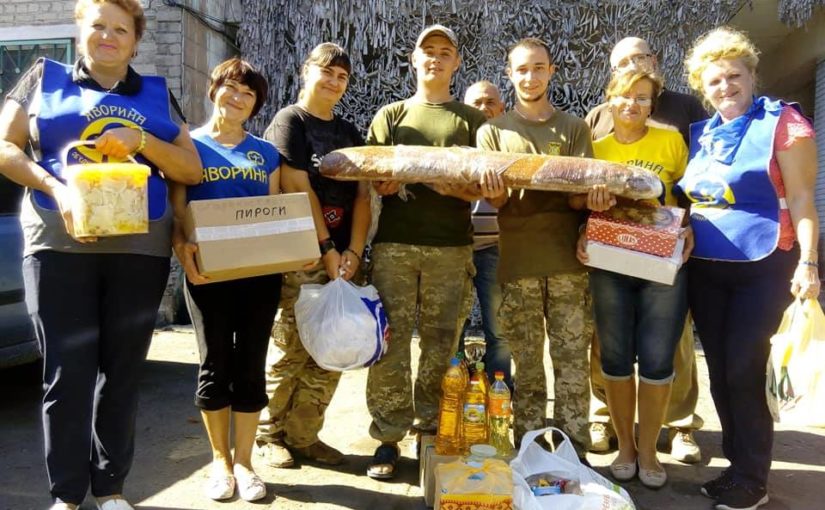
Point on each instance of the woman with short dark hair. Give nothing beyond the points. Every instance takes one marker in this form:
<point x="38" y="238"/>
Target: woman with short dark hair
<point x="232" y="319"/>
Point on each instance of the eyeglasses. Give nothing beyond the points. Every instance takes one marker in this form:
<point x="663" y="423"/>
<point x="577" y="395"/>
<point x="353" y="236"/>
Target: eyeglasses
<point x="641" y="58"/>
<point x="641" y="101"/>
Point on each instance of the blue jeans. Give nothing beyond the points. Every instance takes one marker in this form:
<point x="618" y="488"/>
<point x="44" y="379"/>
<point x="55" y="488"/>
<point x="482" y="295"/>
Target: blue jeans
<point x="497" y="353"/>
<point x="640" y="320"/>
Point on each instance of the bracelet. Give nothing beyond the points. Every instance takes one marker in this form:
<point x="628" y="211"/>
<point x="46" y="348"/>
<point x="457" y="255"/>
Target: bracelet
<point x="811" y="263"/>
<point x="326" y="246"/>
<point x="353" y="252"/>
<point x="142" y="144"/>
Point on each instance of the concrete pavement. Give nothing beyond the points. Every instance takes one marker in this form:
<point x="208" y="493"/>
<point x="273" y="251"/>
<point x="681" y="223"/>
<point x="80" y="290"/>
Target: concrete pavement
<point x="173" y="454"/>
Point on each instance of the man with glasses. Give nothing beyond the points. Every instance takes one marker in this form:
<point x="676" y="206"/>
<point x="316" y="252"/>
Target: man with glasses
<point x="673" y="111"/>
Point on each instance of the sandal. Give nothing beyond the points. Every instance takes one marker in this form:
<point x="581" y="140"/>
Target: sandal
<point x="385" y="456"/>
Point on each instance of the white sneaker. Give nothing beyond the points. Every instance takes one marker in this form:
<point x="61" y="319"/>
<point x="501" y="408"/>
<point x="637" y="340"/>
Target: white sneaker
<point x="683" y="446"/>
<point x="219" y="486"/>
<point x="250" y="485"/>
<point x="63" y="506"/>
<point x="117" y="503"/>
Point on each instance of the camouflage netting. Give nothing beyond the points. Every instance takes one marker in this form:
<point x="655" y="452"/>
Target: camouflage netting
<point x="278" y="34"/>
<point x="797" y="12"/>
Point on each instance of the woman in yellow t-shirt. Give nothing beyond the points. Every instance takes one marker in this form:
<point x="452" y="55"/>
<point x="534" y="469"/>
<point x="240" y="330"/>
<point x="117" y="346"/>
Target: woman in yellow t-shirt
<point x="638" y="320"/>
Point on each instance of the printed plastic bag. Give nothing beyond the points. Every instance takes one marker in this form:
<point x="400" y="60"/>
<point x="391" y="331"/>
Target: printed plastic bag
<point x="795" y="383"/>
<point x="598" y="493"/>
<point x="341" y="325"/>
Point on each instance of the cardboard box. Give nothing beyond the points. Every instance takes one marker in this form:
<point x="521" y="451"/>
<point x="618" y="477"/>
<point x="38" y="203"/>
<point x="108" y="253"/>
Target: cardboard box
<point x="653" y="230"/>
<point x="428" y="460"/>
<point x="252" y="236"/>
<point x="634" y="263"/>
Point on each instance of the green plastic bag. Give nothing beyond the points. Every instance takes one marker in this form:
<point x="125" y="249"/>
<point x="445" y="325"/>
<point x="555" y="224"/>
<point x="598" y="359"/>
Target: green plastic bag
<point x="795" y="383"/>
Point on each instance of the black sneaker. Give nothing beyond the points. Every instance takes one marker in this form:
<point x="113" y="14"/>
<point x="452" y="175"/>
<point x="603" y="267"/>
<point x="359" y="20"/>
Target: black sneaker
<point x="718" y="485"/>
<point x="740" y="497"/>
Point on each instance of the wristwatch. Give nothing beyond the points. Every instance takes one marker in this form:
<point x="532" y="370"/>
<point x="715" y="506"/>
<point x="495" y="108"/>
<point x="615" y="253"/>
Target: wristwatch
<point x="326" y="245"/>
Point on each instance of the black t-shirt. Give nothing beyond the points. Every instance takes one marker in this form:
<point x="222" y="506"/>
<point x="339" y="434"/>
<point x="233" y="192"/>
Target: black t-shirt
<point x="303" y="139"/>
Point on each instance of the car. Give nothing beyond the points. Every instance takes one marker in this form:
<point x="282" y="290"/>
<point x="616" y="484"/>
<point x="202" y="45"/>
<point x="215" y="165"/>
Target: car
<point x="18" y="344"/>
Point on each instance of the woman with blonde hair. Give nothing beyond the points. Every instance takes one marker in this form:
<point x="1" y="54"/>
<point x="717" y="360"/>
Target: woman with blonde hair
<point x="750" y="181"/>
<point x="638" y="320"/>
<point x="93" y="301"/>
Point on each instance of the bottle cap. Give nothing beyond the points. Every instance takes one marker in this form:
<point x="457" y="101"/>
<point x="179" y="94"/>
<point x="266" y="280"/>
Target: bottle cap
<point x="479" y="365"/>
<point x="454" y="362"/>
<point x="483" y="451"/>
<point x="498" y="374"/>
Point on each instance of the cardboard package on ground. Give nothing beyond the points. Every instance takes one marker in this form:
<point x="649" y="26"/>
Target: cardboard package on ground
<point x="427" y="461"/>
<point x="252" y="236"/>
<point x="477" y="486"/>
<point x="634" y="263"/>
<point x="653" y="230"/>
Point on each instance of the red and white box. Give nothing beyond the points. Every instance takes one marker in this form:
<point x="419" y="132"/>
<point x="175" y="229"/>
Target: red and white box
<point x="653" y="230"/>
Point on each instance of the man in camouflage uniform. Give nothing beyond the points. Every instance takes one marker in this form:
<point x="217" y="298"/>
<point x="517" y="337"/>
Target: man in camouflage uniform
<point x="422" y="252"/>
<point x="544" y="287"/>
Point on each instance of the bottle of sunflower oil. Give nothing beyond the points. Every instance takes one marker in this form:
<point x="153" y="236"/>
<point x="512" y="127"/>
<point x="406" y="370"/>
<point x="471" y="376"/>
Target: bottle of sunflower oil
<point x="448" y="439"/>
<point x="475" y="414"/>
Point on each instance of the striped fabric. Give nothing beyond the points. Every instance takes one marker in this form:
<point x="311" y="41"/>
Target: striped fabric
<point x="485" y="225"/>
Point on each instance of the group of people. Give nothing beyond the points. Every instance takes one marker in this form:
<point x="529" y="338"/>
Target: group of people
<point x="746" y="175"/>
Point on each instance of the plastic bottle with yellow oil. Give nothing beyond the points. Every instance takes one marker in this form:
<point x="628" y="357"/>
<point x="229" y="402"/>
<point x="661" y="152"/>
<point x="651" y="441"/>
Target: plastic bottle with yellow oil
<point x="448" y="439"/>
<point x="499" y="400"/>
<point x="475" y="414"/>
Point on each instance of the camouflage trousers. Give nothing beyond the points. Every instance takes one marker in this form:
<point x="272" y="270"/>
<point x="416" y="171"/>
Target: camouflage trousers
<point x="558" y="305"/>
<point x="299" y="390"/>
<point x="439" y="280"/>
<point x="684" y="393"/>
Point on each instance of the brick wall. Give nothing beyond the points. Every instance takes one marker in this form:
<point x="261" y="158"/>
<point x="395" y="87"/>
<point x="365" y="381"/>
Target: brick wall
<point x="175" y="45"/>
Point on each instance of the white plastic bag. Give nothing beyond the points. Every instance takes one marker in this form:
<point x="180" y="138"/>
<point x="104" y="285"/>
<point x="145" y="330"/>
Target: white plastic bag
<point x="795" y="382"/>
<point x="341" y="325"/>
<point x="598" y="493"/>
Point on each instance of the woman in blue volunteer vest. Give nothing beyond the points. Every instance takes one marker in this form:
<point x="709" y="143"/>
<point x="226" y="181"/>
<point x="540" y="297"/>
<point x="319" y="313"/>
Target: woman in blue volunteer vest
<point x="93" y="301"/>
<point x="750" y="182"/>
<point x="232" y="319"/>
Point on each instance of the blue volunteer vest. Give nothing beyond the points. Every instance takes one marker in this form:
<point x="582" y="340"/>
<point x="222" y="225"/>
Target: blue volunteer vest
<point x="69" y="112"/>
<point x="228" y="172"/>
<point x="735" y="206"/>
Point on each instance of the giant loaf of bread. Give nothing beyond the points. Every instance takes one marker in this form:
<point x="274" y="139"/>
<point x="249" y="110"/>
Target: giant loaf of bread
<point x="407" y="163"/>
